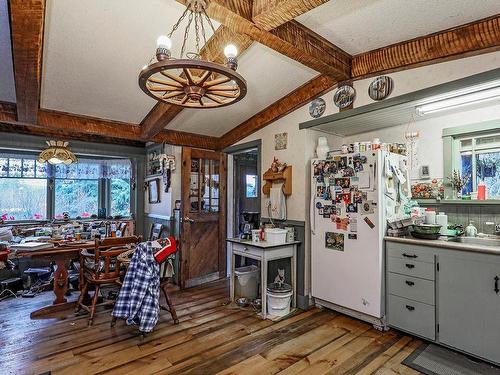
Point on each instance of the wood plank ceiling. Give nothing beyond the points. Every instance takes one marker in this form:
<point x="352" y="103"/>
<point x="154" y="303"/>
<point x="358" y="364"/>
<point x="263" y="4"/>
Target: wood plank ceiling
<point x="268" y="22"/>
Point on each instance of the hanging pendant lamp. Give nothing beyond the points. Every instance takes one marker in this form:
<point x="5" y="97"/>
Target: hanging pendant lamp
<point x="57" y="153"/>
<point x="190" y="81"/>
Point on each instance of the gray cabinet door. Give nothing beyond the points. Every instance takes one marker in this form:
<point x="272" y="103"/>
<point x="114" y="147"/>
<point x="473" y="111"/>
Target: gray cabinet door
<point x="469" y="307"/>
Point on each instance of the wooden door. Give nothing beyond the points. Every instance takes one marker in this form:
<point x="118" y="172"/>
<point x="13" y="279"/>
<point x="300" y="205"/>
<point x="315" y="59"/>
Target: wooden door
<point x="203" y="245"/>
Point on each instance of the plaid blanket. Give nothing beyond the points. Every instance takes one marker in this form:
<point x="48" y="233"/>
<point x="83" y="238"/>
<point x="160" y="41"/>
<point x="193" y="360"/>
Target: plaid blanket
<point x="138" y="301"/>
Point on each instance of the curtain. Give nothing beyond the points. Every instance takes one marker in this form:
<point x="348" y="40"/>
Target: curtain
<point x="20" y="165"/>
<point x="90" y="169"/>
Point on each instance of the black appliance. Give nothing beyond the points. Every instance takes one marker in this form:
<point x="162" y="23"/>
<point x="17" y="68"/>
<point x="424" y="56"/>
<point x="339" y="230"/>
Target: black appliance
<point x="249" y="221"/>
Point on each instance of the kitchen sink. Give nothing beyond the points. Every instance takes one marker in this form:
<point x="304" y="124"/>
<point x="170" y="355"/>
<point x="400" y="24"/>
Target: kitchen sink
<point x="480" y="241"/>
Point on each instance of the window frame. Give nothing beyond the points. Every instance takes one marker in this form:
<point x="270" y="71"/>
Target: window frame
<point x="452" y="150"/>
<point x="104" y="189"/>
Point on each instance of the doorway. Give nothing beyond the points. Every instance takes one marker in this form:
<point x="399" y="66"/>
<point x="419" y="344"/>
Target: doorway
<point x="246" y="192"/>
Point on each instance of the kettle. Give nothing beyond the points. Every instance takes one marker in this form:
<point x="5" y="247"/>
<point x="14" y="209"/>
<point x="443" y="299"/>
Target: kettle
<point x="470" y="230"/>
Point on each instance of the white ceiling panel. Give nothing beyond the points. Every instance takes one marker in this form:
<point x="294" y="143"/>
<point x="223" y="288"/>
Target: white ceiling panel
<point x="7" y="85"/>
<point x="362" y="25"/>
<point x="269" y="76"/>
<point x="94" y="50"/>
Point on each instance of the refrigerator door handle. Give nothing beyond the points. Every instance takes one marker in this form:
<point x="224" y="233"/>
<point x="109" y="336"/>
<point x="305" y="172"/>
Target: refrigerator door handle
<point x="312" y="215"/>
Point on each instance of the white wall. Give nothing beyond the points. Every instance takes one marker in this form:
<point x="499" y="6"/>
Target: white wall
<point x="167" y="200"/>
<point x="430" y="145"/>
<point x="300" y="149"/>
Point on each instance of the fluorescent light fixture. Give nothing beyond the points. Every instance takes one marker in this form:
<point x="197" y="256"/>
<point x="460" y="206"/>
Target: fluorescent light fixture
<point x="470" y="98"/>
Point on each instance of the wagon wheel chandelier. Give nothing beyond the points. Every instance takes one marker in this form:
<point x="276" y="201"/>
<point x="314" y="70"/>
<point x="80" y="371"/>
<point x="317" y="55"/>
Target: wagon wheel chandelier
<point x="190" y="81"/>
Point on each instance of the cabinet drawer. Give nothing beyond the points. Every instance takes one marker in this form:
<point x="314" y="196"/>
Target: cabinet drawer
<point x="414" y="317"/>
<point x="247" y="249"/>
<point x="411" y="287"/>
<point x="409" y="252"/>
<point x="411" y="268"/>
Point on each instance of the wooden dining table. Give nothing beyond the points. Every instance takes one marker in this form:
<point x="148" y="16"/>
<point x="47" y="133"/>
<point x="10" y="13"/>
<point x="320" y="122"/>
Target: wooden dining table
<point x="61" y="255"/>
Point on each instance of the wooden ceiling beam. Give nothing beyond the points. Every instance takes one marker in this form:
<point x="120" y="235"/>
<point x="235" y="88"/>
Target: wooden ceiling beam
<point x="463" y="41"/>
<point x="27" y="22"/>
<point x="269" y="14"/>
<point x="289" y="103"/>
<point x="290" y="42"/>
<point x="69" y="126"/>
<point x="163" y="113"/>
<point x="290" y="38"/>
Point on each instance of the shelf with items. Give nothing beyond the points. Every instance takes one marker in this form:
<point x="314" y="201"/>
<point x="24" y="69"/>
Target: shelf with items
<point x="285" y="175"/>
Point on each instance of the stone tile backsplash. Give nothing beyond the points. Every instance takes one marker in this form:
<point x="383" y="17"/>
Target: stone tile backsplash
<point x="463" y="213"/>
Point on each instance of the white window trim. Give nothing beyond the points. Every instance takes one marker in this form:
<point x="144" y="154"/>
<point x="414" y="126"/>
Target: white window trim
<point x="474" y="149"/>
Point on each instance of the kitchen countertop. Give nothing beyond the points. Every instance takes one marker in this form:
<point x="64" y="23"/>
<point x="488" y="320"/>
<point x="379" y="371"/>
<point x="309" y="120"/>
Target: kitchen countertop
<point x="262" y="245"/>
<point x="443" y="243"/>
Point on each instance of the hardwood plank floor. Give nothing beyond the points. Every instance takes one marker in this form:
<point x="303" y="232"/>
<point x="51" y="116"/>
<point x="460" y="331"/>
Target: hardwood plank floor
<point x="211" y="338"/>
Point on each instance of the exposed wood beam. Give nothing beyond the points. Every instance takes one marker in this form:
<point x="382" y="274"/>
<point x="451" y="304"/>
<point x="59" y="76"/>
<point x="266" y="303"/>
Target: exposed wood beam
<point x="70" y="126"/>
<point x="27" y="21"/>
<point x="467" y="40"/>
<point x="292" y="40"/>
<point x="163" y="113"/>
<point x="269" y="14"/>
<point x="294" y="100"/>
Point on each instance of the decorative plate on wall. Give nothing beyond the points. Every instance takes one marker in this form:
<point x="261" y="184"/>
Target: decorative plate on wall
<point x="381" y="88"/>
<point x="317" y="107"/>
<point x="344" y="96"/>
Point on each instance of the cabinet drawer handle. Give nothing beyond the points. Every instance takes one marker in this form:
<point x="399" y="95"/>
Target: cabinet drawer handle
<point x="409" y="265"/>
<point x="245" y="249"/>
<point x="411" y="308"/>
<point x="410" y="255"/>
<point x="496" y="285"/>
<point x="410" y="283"/>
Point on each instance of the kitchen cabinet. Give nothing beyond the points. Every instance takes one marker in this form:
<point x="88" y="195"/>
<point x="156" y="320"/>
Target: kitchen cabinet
<point x="448" y="296"/>
<point x="469" y="305"/>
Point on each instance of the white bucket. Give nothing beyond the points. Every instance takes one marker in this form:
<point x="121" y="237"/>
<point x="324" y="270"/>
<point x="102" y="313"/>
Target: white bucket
<point x="278" y="304"/>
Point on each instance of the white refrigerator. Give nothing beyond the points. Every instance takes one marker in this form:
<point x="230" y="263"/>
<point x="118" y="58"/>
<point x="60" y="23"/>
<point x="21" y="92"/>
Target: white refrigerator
<point x="352" y="195"/>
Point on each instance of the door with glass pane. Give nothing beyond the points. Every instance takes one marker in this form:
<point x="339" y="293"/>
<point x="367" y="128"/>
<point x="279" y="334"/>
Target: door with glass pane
<point x="203" y="250"/>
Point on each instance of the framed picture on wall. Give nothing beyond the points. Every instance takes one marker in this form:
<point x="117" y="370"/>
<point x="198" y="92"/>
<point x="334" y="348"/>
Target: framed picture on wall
<point x="154" y="191"/>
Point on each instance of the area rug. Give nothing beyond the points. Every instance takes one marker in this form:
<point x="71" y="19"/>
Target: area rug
<point x="432" y="359"/>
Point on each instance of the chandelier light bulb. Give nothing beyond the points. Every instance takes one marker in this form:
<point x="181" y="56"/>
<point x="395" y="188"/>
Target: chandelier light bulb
<point x="230" y="51"/>
<point x="164" y="41"/>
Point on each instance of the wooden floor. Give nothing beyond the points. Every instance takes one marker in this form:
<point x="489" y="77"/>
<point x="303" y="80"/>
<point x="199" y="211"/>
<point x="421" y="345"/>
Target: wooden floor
<point x="210" y="339"/>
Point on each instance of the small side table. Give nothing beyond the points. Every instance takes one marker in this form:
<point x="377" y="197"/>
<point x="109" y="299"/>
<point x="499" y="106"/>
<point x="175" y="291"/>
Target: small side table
<point x="264" y="252"/>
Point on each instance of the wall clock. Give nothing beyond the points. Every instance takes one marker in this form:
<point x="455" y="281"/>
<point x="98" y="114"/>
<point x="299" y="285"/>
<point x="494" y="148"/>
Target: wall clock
<point x="344" y="96"/>
<point x="317" y="107"/>
<point x="381" y="88"/>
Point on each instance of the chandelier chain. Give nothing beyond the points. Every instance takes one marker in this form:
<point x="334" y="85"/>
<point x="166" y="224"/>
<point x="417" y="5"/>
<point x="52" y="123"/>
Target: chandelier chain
<point x="178" y="22"/>
<point x="197" y="33"/>
<point x="186" y="34"/>
<point x="208" y="19"/>
<point x="203" y="34"/>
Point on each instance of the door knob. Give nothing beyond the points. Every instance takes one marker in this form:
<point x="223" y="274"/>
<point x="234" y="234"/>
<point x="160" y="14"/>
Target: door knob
<point x="188" y="219"/>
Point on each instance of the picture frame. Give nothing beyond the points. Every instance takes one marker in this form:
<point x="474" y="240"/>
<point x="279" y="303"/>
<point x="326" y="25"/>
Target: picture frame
<point x="154" y="187"/>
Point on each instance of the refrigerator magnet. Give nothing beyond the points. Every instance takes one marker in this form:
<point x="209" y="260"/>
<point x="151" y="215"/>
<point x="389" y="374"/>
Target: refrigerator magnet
<point x="352" y="236"/>
<point x="334" y="241"/>
<point x="369" y="222"/>
<point x="367" y="207"/>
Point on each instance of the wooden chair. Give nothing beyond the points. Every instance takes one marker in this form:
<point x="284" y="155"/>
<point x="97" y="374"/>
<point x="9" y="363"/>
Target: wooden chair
<point x="156" y="234"/>
<point x="100" y="268"/>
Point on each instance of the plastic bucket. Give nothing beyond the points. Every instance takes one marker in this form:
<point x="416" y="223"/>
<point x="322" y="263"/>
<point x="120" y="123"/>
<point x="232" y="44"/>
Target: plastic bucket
<point x="278" y="302"/>
<point x="276" y="236"/>
<point x="247" y="281"/>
